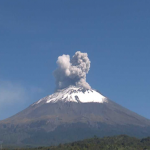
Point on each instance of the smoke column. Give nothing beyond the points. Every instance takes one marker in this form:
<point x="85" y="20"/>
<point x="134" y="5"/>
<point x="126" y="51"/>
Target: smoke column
<point x="72" y="71"/>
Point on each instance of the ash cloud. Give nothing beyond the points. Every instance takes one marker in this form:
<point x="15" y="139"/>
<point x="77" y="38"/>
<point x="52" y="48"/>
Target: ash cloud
<point x="72" y="71"/>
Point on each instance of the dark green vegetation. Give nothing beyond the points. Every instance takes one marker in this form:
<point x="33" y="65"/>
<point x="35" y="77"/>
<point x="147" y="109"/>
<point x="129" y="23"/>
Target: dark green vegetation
<point x="65" y="133"/>
<point x="54" y="123"/>
<point x="65" y="121"/>
<point x="122" y="142"/>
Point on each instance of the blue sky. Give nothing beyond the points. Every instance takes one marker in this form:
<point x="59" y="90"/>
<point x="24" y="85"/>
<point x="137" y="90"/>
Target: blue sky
<point x="115" y="34"/>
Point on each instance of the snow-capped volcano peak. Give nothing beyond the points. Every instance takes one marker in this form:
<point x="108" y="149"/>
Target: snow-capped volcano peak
<point x="74" y="94"/>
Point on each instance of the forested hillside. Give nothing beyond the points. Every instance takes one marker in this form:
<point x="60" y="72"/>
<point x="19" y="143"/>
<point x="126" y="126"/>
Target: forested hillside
<point x="121" y="142"/>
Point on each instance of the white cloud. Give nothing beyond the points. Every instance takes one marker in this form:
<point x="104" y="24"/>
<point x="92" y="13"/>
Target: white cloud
<point x="15" y="96"/>
<point x="12" y="93"/>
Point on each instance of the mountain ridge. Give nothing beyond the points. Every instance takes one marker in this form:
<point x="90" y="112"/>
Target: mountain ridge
<point x="75" y="113"/>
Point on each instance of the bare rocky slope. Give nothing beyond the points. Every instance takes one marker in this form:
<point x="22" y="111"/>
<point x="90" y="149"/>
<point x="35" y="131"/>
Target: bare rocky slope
<point x="71" y="114"/>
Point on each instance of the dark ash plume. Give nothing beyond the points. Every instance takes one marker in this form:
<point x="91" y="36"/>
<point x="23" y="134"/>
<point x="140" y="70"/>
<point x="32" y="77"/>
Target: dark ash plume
<point x="72" y="71"/>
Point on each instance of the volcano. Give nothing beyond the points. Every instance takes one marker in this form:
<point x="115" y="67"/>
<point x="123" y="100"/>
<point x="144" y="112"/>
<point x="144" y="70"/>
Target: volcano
<point x="71" y="114"/>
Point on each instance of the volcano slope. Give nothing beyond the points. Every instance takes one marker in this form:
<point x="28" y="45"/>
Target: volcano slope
<point x="68" y="115"/>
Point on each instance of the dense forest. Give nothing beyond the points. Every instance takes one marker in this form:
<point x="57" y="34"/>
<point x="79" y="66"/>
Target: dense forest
<point x="122" y="142"/>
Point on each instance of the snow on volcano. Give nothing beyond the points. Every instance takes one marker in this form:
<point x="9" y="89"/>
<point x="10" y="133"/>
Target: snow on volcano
<point x="74" y="94"/>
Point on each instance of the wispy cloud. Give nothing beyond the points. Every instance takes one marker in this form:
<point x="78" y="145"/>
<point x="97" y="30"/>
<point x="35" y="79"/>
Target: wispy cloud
<point x="14" y="95"/>
<point x="11" y="92"/>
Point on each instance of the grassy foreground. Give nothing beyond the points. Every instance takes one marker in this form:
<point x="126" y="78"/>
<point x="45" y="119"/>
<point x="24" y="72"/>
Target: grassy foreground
<point x="121" y="142"/>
